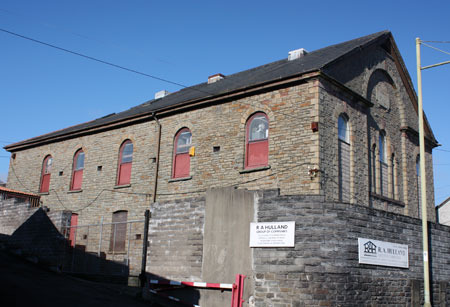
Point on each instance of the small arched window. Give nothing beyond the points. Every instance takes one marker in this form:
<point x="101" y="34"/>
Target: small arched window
<point x="343" y="129"/>
<point x="45" y="174"/>
<point x="125" y="161"/>
<point x="181" y="158"/>
<point x="382" y="146"/>
<point x="383" y="163"/>
<point x="373" y="166"/>
<point x="394" y="191"/>
<point x="257" y="141"/>
<point x="77" y="170"/>
<point x="344" y="158"/>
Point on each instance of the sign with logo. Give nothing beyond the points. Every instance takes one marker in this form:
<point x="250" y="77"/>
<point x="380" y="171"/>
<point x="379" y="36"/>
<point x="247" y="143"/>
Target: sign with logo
<point x="276" y="234"/>
<point x="383" y="253"/>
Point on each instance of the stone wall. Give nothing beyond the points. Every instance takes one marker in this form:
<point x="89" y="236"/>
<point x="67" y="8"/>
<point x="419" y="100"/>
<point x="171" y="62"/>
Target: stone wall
<point x="392" y="185"/>
<point x="14" y="213"/>
<point x="323" y="268"/>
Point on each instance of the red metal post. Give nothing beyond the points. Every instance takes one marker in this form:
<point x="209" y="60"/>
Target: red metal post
<point x="238" y="291"/>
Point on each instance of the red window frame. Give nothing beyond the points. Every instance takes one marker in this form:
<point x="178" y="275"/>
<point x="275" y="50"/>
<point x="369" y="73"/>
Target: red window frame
<point x="77" y="170"/>
<point x="181" y="159"/>
<point x="45" y="174"/>
<point x="256" y="151"/>
<point x="125" y="163"/>
<point x="73" y="229"/>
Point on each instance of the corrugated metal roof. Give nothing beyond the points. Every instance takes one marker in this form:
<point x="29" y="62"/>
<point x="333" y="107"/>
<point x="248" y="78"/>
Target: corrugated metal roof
<point x="3" y="189"/>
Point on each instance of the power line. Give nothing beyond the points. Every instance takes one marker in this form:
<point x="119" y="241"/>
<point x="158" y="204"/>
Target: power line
<point x="437" y="42"/>
<point x="102" y="61"/>
<point x="429" y="46"/>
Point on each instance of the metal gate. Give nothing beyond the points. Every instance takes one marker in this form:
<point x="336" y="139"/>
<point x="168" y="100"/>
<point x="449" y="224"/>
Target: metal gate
<point x="113" y="248"/>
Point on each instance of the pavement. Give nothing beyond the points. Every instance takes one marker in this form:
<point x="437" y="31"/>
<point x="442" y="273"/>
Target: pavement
<point x="23" y="283"/>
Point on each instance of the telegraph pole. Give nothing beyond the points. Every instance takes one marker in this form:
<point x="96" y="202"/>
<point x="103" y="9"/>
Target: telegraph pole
<point x="423" y="181"/>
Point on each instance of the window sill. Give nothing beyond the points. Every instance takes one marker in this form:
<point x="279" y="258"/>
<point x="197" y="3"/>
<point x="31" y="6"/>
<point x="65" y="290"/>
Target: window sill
<point x="390" y="200"/>
<point x="117" y="252"/>
<point x="122" y="186"/>
<point x="75" y="191"/>
<point x="256" y="169"/>
<point x="180" y="179"/>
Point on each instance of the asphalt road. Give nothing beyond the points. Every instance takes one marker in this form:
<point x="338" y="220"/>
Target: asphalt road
<point x="26" y="284"/>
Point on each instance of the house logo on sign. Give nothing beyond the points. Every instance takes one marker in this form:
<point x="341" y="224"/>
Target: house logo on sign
<point x="370" y="248"/>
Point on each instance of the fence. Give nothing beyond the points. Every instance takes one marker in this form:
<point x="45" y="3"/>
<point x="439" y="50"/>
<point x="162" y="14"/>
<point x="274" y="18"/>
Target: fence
<point x="105" y="248"/>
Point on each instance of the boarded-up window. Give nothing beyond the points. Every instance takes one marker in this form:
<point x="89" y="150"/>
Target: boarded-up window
<point x="77" y="172"/>
<point x="181" y="158"/>
<point x="257" y="141"/>
<point x="118" y="231"/>
<point x="125" y="162"/>
<point x="45" y="174"/>
<point x="344" y="159"/>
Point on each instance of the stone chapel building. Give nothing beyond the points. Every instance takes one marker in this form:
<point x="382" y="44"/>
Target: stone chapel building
<point x="332" y="127"/>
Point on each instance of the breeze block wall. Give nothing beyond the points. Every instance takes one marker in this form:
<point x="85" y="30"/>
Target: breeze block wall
<point x="323" y="270"/>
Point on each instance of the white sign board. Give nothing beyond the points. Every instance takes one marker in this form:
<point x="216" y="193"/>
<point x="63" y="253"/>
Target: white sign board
<point x="383" y="253"/>
<point x="276" y="234"/>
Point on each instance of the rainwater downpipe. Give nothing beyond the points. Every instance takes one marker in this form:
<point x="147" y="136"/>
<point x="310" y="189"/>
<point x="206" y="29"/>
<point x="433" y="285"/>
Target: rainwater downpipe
<point x="158" y="147"/>
<point x="142" y="276"/>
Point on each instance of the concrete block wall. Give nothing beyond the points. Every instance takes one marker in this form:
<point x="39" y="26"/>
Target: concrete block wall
<point x="176" y="239"/>
<point x="323" y="268"/>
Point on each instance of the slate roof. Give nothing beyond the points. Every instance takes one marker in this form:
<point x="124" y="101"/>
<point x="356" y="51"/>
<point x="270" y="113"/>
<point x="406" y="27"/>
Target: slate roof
<point x="272" y="72"/>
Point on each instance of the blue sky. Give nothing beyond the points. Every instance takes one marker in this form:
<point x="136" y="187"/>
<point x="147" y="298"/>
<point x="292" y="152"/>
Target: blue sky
<point x="44" y="89"/>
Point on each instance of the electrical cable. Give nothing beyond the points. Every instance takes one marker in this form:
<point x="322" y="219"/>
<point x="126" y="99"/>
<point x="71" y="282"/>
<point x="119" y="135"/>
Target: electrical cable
<point x="438" y="42"/>
<point x="429" y="46"/>
<point x="102" y="61"/>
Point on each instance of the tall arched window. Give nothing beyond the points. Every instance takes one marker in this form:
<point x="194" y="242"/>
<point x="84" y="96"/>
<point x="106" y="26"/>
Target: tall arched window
<point x="125" y="161"/>
<point x="394" y="191"/>
<point x="373" y="166"/>
<point x="257" y="141"/>
<point x="77" y="170"/>
<point x="344" y="158"/>
<point x="45" y="174"/>
<point x="383" y="163"/>
<point x="181" y="158"/>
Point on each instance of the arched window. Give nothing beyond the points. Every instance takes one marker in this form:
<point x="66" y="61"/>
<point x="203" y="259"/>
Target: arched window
<point x="45" y="174"/>
<point x="77" y="170"/>
<point x="181" y="158"/>
<point x="344" y="158"/>
<point x="373" y="166"/>
<point x="125" y="161"/>
<point x="118" y="238"/>
<point x="394" y="191"/>
<point x="257" y="141"/>
<point x="383" y="163"/>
